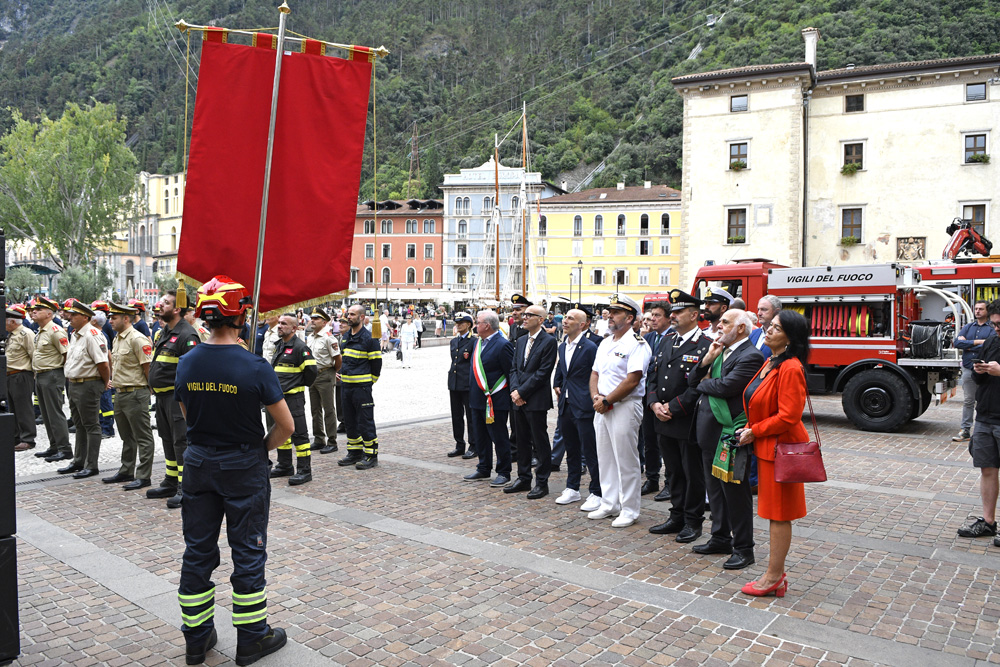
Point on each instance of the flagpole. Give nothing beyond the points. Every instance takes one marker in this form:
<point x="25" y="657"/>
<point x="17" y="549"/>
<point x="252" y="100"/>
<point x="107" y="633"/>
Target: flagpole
<point x="284" y="12"/>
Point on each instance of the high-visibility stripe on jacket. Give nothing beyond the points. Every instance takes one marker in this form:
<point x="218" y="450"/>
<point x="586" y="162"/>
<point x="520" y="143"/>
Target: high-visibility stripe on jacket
<point x="362" y="358"/>
<point x="294" y="364"/>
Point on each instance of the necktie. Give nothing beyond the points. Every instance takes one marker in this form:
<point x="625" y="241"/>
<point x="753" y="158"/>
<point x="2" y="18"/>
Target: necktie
<point x="656" y="341"/>
<point x="527" y="348"/>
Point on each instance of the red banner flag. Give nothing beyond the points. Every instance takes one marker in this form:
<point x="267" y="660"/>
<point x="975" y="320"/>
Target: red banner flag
<point x="315" y="171"/>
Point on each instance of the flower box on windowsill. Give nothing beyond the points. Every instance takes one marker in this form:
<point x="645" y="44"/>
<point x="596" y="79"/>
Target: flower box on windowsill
<point x="850" y="168"/>
<point x="979" y="158"/>
<point x="848" y="241"/>
<point x="733" y="240"/>
<point x="737" y="165"/>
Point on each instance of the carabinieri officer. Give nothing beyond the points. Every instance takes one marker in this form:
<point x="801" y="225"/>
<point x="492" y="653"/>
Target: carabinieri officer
<point x="220" y="387"/>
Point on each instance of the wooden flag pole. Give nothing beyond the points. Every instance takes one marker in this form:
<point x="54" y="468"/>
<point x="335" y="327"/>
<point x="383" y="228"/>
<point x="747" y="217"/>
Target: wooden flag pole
<point x="285" y="11"/>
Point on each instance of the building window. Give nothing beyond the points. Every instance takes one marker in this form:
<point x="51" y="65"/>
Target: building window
<point x="463" y="228"/>
<point x="130" y="273"/>
<point x="411" y="226"/>
<point x="854" y="154"/>
<point x="665" y="224"/>
<point x="739" y="103"/>
<point x="369" y="251"/>
<point x="854" y="103"/>
<point x="975" y="92"/>
<point x="411" y="276"/>
<point x="173" y="239"/>
<point x="644" y="225"/>
<point x="428" y="226"/>
<point x="976" y="213"/>
<point x="620" y="247"/>
<point x="736" y="225"/>
<point x="428" y="251"/>
<point x="461" y="251"/>
<point x="975" y="144"/>
<point x="597" y="277"/>
<point x="354" y="276"/>
<point x="428" y="276"/>
<point x="664" y="246"/>
<point x="487" y="204"/>
<point x="369" y="275"/>
<point x="664" y="276"/>
<point x="578" y="248"/>
<point x="166" y="202"/>
<point x="386" y="251"/>
<point x="386" y="276"/>
<point x="643" y="276"/>
<point x="468" y="206"/>
<point x="621" y="277"/>
<point x="643" y="247"/>
<point x="541" y="276"/>
<point x="515" y="203"/>
<point x="577" y="226"/>
<point x="369" y="226"/>
<point x="850" y="223"/>
<point x="387" y="226"/>
<point x="542" y="226"/>
<point x="542" y="248"/>
<point x="598" y="225"/>
<point x="460" y="277"/>
<point x="621" y="225"/>
<point x="739" y="152"/>
<point x="598" y="247"/>
<point x="411" y="251"/>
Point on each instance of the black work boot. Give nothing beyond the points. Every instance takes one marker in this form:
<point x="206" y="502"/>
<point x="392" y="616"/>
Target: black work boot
<point x="353" y="456"/>
<point x="368" y="463"/>
<point x="304" y="473"/>
<point x="247" y="654"/>
<point x="166" y="489"/>
<point x="175" y="501"/>
<point x="284" y="467"/>
<point x="196" y="652"/>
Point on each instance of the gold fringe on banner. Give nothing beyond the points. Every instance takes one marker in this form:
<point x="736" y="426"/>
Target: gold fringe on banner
<point x="193" y="286"/>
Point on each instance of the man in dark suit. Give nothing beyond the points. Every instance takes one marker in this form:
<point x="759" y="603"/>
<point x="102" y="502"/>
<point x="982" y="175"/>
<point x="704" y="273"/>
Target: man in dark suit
<point x="660" y="321"/>
<point x="489" y="399"/>
<point x="576" y="409"/>
<point x="672" y="402"/>
<point x="530" y="393"/>
<point x="462" y="347"/>
<point x="558" y="447"/>
<point x="720" y="378"/>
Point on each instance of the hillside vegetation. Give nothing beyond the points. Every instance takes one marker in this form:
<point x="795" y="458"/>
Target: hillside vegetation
<point x="595" y="74"/>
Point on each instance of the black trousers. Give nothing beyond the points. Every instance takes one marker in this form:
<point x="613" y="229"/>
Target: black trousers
<point x="650" y="446"/>
<point x="581" y="442"/>
<point x="299" y="442"/>
<point x="731" y="504"/>
<point x="359" y="418"/>
<point x="488" y="436"/>
<point x="686" y="479"/>
<point x="172" y="429"/>
<point x="461" y="414"/>
<point x="533" y="441"/>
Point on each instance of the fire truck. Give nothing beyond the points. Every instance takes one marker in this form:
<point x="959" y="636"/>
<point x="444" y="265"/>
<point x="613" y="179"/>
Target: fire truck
<point x="880" y="334"/>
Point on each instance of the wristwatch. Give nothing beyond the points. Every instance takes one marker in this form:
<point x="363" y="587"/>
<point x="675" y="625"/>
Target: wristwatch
<point x="606" y="402"/>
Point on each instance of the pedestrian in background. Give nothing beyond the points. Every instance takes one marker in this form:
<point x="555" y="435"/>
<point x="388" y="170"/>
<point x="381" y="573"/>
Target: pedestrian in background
<point x="970" y="341"/>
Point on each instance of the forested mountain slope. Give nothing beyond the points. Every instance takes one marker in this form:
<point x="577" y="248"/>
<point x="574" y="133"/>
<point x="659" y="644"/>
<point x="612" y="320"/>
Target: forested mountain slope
<point x="595" y="74"/>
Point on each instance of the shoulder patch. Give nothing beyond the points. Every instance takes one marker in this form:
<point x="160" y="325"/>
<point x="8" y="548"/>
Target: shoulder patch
<point x="147" y="349"/>
<point x="94" y="332"/>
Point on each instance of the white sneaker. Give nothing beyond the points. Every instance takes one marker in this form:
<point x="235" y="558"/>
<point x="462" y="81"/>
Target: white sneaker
<point x="591" y="503"/>
<point x="603" y="513"/>
<point x="622" y="522"/>
<point x="568" y="496"/>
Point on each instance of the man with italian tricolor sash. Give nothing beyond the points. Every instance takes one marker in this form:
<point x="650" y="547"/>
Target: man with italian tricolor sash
<point x="489" y="399"/>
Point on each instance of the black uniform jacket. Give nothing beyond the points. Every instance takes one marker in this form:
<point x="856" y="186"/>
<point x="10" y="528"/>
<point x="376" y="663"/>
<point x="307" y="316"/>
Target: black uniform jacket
<point x="532" y="378"/>
<point x="667" y="381"/>
<point x="461" y="361"/>
<point x="295" y="365"/>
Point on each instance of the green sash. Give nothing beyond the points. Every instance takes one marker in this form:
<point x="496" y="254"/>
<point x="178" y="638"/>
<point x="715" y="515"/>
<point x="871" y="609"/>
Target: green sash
<point x="722" y="464"/>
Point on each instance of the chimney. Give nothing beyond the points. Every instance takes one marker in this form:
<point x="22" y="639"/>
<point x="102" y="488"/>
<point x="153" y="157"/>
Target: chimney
<point x="811" y="36"/>
<point x="647" y="184"/>
<point x="621" y="186"/>
<point x="563" y="186"/>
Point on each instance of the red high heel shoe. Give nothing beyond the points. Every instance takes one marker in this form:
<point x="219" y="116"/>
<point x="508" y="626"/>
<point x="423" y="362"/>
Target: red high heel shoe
<point x="779" y="589"/>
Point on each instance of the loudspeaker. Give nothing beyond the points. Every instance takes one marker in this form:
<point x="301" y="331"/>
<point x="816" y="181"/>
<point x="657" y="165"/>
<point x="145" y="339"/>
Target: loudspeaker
<point x="8" y="524"/>
<point x="10" y="638"/>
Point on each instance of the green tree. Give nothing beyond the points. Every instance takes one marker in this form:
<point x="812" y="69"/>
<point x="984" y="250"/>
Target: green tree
<point x="64" y="184"/>
<point x="22" y="282"/>
<point x="165" y="283"/>
<point x="84" y="283"/>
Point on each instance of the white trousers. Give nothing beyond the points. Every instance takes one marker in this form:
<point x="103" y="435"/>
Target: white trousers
<point x="407" y="352"/>
<point x="617" y="432"/>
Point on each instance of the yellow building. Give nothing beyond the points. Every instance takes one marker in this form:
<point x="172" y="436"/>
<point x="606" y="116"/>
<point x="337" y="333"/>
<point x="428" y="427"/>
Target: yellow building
<point x="623" y="239"/>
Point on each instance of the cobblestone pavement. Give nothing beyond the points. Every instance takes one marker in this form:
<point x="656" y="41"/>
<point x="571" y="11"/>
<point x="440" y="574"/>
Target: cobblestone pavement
<point x="407" y="564"/>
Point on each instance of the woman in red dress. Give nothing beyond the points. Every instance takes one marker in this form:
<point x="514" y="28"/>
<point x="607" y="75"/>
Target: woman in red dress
<point x="774" y="401"/>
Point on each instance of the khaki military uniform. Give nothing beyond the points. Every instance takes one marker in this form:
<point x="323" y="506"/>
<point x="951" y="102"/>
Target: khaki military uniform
<point x="326" y="351"/>
<point x="51" y="345"/>
<point x="131" y="351"/>
<point x="87" y="348"/>
<point x="21" y="382"/>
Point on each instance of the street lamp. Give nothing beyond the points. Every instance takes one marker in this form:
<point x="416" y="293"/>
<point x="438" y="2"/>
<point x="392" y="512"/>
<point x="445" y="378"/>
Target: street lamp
<point x="579" y="265"/>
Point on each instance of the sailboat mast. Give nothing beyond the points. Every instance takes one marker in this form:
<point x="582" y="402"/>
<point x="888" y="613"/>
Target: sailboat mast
<point x="524" y="204"/>
<point x="496" y="211"/>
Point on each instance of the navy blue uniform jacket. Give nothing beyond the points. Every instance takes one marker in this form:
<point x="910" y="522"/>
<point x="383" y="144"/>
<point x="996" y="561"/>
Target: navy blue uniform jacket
<point x="531" y="378"/>
<point x="574" y="382"/>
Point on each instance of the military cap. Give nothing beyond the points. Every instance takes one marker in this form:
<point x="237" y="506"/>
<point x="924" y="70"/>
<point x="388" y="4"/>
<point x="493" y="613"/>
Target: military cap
<point x="42" y="302"/>
<point x="320" y="313"/>
<point x="718" y="295"/>
<point x="587" y="310"/>
<point x="624" y="302"/>
<point x="16" y="310"/>
<point x="118" y="309"/>
<point x="463" y="317"/>
<point x="520" y="301"/>
<point x="681" y="300"/>
<point x="78" y="307"/>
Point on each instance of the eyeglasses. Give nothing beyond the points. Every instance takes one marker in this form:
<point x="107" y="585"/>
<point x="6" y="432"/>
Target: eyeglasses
<point x="532" y="315"/>
<point x="995" y="325"/>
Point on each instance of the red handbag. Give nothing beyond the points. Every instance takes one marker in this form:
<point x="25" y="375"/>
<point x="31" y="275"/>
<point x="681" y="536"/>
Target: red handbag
<point x="800" y="462"/>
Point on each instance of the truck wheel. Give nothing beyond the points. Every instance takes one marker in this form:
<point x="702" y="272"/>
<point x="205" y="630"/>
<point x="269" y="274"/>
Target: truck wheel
<point x="920" y="407"/>
<point x="877" y="400"/>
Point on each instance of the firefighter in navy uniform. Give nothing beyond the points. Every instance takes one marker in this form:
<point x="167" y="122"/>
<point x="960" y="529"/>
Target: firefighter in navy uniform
<point x="220" y="388"/>
<point x="296" y="369"/>
<point x="175" y="339"/>
<point x="360" y="370"/>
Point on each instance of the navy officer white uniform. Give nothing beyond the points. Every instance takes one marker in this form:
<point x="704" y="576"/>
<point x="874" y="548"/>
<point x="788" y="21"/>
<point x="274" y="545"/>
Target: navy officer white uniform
<point x="617" y="385"/>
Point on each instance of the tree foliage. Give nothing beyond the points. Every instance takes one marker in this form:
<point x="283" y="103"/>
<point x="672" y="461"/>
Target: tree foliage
<point x="22" y="283"/>
<point x="64" y="184"/>
<point x="84" y="283"/>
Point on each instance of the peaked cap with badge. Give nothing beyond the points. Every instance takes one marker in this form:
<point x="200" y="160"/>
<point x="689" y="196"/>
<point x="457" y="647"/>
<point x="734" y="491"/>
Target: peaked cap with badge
<point x="320" y="313"/>
<point x="520" y="301"/>
<point x="78" y="307"/>
<point x="681" y="300"/>
<point x="624" y="302"/>
<point x="718" y="295"/>
<point x="118" y="309"/>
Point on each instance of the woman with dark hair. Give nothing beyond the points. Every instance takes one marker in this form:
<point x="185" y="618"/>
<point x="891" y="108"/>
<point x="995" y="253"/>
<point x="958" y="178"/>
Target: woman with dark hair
<point x="774" y="401"/>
